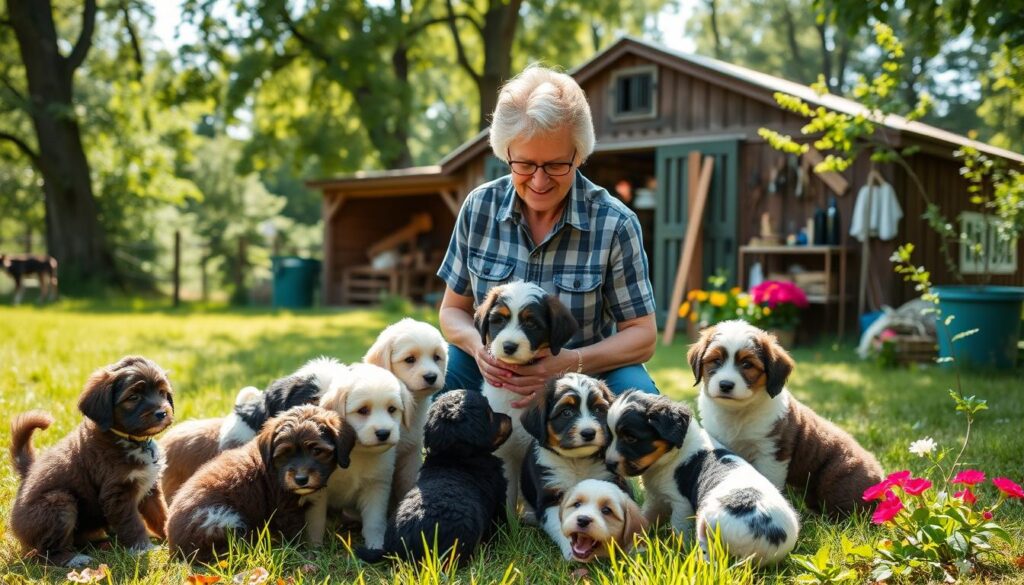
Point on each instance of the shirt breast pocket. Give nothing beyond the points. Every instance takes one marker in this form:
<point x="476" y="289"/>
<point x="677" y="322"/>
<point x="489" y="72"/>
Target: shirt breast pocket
<point x="580" y="290"/>
<point x="489" y="271"/>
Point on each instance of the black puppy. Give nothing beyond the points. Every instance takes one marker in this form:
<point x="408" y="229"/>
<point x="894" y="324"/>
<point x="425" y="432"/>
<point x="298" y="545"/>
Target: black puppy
<point x="459" y="498"/>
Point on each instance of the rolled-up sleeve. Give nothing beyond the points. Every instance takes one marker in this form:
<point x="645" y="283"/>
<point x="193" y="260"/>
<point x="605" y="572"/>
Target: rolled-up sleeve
<point x="627" y="288"/>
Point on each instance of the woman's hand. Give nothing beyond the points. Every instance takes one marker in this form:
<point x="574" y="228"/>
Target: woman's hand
<point x="494" y="372"/>
<point x="528" y="380"/>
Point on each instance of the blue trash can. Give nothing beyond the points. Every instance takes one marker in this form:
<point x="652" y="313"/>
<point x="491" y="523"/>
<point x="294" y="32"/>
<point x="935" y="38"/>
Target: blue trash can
<point x="295" y="279"/>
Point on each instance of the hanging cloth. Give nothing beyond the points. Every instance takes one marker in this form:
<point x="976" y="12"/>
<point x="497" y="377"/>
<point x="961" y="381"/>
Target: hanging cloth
<point x="883" y="211"/>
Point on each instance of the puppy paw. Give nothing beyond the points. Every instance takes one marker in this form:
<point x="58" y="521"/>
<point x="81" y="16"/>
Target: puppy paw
<point x="79" y="561"/>
<point x="566" y="552"/>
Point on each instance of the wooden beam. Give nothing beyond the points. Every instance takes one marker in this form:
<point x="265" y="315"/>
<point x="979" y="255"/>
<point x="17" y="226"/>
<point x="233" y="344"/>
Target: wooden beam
<point x="420" y="223"/>
<point x="693" y="229"/>
<point x="835" y="181"/>
<point x="332" y="206"/>
<point x="448" y="196"/>
<point x="696" y="276"/>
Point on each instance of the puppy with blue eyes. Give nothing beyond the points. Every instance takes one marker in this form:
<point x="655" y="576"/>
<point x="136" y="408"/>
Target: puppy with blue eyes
<point x="686" y="473"/>
<point x="567" y="423"/>
<point x="516" y="321"/>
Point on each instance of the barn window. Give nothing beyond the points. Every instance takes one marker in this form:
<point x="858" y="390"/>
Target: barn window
<point x="634" y="93"/>
<point x="983" y="229"/>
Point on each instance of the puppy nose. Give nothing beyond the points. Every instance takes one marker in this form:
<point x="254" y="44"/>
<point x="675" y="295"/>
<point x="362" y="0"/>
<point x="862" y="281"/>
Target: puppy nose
<point x="383" y="435"/>
<point x="583" y="521"/>
<point x="588" y="434"/>
<point x="430" y="378"/>
<point x="726" y="385"/>
<point x="160" y="414"/>
<point x="510" y="347"/>
<point x="301" y="479"/>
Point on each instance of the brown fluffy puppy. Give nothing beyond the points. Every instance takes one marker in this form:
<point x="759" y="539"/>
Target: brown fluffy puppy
<point x="595" y="514"/>
<point x="186" y="448"/>
<point x="103" y="474"/>
<point x="262" y="481"/>
<point x="745" y="405"/>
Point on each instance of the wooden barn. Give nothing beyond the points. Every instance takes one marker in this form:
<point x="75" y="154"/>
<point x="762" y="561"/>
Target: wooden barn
<point x="652" y="107"/>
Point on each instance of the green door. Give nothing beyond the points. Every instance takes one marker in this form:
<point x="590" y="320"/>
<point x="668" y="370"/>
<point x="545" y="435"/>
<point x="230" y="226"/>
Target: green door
<point x="719" y="225"/>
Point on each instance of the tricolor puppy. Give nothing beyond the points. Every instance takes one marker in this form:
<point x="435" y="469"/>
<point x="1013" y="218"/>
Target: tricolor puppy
<point x="376" y="405"/>
<point x="261" y="483"/>
<point x="459" y="498"/>
<point x="417" y="354"/>
<point x="567" y="423"/>
<point x="517" y="320"/>
<point x="686" y="471"/>
<point x="103" y="474"/>
<point x="744" y="404"/>
<point x="595" y="515"/>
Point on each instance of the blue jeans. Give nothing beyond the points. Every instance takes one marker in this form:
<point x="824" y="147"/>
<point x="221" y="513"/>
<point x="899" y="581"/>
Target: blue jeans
<point x="463" y="373"/>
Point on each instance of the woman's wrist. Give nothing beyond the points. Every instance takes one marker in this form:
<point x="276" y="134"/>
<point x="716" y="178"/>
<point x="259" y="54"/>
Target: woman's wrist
<point x="579" y="361"/>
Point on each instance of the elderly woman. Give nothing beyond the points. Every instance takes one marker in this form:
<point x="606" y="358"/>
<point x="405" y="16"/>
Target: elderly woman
<point x="550" y="225"/>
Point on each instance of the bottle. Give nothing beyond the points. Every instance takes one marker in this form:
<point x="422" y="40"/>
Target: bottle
<point x="832" y="222"/>
<point x="820" y="237"/>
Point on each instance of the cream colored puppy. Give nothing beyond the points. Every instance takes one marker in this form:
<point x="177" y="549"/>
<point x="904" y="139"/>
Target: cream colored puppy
<point x="594" y="514"/>
<point x="376" y="405"/>
<point x="417" y="354"/>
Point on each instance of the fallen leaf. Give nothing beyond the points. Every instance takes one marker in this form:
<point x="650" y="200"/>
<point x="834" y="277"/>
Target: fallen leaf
<point x="580" y="573"/>
<point x="1019" y="561"/>
<point x="253" y="577"/>
<point x="202" y="579"/>
<point x="89" y="575"/>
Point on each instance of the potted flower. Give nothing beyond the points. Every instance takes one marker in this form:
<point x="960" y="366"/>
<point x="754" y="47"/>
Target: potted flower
<point x="716" y="304"/>
<point x="777" y="308"/>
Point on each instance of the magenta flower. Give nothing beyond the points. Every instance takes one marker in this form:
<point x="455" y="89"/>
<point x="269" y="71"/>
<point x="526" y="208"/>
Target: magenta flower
<point x="877" y="491"/>
<point x="969" y="477"/>
<point x="987" y="514"/>
<point x="1008" y="487"/>
<point x="916" y="485"/>
<point x="776" y="292"/>
<point x="898" y="477"/>
<point x="966" y="495"/>
<point x="887" y="509"/>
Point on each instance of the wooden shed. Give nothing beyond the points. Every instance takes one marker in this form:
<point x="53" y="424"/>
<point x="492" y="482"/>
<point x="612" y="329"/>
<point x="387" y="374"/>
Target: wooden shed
<point x="652" y="106"/>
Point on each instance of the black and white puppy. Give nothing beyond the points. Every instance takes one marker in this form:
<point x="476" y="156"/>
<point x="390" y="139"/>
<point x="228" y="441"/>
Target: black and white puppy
<point x="517" y="320"/>
<point x="459" y="497"/>
<point x="568" y="424"/>
<point x="685" y="470"/>
<point x="254" y="408"/>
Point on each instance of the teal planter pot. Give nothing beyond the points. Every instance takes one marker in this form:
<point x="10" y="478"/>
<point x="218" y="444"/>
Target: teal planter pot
<point x="294" y="281"/>
<point x="994" y="310"/>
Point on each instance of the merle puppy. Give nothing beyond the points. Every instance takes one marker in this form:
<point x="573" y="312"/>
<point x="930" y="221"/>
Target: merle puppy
<point x="459" y="498"/>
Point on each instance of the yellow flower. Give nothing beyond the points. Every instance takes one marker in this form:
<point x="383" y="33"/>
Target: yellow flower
<point x="693" y="294"/>
<point x="743" y="301"/>
<point x="767" y="311"/>
<point x="684" y="309"/>
<point x="718" y="299"/>
<point x="693" y="316"/>
<point x="734" y="291"/>
<point x="701" y="296"/>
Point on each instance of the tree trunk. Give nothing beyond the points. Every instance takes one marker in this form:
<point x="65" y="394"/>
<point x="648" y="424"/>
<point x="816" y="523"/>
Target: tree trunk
<point x="500" y="25"/>
<point x="73" y="236"/>
<point x="713" y="7"/>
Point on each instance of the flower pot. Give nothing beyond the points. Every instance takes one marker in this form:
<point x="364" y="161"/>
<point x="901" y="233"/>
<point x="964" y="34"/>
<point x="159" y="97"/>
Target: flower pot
<point x="994" y="310"/>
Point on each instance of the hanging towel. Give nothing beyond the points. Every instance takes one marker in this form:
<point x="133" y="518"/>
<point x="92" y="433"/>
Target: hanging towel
<point x="883" y="216"/>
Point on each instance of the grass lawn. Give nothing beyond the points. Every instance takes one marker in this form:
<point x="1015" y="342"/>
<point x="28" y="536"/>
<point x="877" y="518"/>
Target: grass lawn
<point x="47" y="354"/>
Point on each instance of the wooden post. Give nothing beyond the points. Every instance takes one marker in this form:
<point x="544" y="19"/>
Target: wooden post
<point x="695" y="279"/>
<point x="689" y="245"/>
<point x="177" y="267"/>
<point x="204" y="278"/>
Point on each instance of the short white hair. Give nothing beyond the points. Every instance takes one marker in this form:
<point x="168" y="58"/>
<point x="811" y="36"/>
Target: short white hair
<point x="540" y="100"/>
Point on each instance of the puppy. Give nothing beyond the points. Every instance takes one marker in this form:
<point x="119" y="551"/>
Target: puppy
<point x="191" y="444"/>
<point x="596" y="514"/>
<point x="417" y="354"/>
<point x="376" y="405"/>
<point x="259" y="483"/>
<point x="684" y="469"/>
<point x="103" y="474"/>
<point x="21" y="265"/>
<point x="459" y="497"/>
<point x="567" y="423"/>
<point x="515" y="321"/>
<point x="745" y="405"/>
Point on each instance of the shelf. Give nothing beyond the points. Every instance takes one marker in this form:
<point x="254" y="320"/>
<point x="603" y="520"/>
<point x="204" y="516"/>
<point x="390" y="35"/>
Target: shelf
<point x="794" y="249"/>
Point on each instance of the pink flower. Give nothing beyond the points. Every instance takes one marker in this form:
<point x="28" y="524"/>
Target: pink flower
<point x="898" y="477"/>
<point x="915" y="486"/>
<point x="887" y="509"/>
<point x="969" y="477"/>
<point x="887" y="334"/>
<point x="987" y="515"/>
<point x="1008" y="487"/>
<point x="773" y="293"/>
<point x="877" y="491"/>
<point x="966" y="495"/>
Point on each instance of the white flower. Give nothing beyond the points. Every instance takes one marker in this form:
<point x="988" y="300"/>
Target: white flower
<point x="923" y="447"/>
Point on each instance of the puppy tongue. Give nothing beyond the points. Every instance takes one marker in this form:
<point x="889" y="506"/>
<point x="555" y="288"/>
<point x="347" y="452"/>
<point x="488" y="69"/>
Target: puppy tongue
<point x="582" y="545"/>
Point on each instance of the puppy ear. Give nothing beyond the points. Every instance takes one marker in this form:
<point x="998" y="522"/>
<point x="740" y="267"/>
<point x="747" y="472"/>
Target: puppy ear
<point x="379" y="353"/>
<point x="346" y="441"/>
<point x="480" y="316"/>
<point x="563" y="324"/>
<point x="778" y="364"/>
<point x="670" y="419"/>
<point x="265" y="443"/>
<point x="633" y="522"/>
<point x="535" y="416"/>
<point x="408" y="406"/>
<point x="696" y="353"/>
<point x="97" y="399"/>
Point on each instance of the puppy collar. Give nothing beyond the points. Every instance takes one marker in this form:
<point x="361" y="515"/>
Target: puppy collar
<point x="136" y="438"/>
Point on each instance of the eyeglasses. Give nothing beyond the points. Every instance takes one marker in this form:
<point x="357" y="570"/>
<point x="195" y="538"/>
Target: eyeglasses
<point x="551" y="169"/>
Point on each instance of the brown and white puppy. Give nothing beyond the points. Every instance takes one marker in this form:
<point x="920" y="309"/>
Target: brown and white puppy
<point x="515" y="321"/>
<point x="103" y="474"/>
<point x="260" y="483"/>
<point x="377" y="406"/>
<point x="568" y="424"/>
<point x="596" y="514"/>
<point x="417" y="354"/>
<point x="186" y="447"/>
<point x="745" y="405"/>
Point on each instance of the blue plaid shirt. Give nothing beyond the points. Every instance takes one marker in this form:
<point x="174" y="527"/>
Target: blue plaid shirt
<point x="593" y="259"/>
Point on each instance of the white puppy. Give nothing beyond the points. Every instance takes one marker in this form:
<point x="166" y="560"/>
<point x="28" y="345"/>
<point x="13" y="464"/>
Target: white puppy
<point x="417" y="354"/>
<point x="373" y="402"/>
